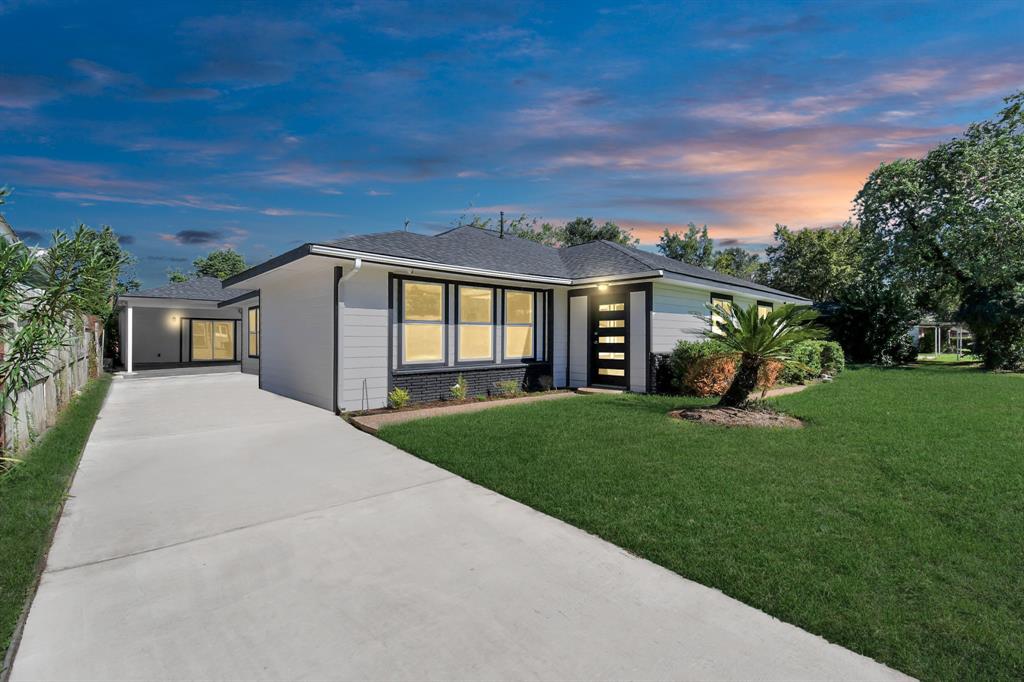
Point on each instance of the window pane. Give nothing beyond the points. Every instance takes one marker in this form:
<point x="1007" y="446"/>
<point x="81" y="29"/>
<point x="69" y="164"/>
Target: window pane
<point x="223" y="340"/>
<point x="611" y="339"/>
<point x="475" y="342"/>
<point x="423" y="301"/>
<point x="518" y="342"/>
<point x="611" y="356"/>
<point x="254" y="348"/>
<point x="423" y="342"/>
<point x="715" y="317"/>
<point x="605" y="324"/>
<point x="764" y="310"/>
<point x="611" y="307"/>
<point x="518" y="307"/>
<point x="611" y="372"/>
<point x="254" y="320"/>
<point x="475" y="304"/>
<point x="202" y="343"/>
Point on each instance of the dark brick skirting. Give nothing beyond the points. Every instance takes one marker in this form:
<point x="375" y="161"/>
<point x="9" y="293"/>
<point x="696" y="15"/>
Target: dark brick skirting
<point x="436" y="385"/>
<point x="660" y="380"/>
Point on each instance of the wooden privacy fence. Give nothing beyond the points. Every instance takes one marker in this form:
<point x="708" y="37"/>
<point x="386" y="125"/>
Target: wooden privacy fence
<point x="35" y="409"/>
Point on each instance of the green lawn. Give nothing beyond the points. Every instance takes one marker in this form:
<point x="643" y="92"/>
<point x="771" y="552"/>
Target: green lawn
<point x="892" y="524"/>
<point x="31" y="495"/>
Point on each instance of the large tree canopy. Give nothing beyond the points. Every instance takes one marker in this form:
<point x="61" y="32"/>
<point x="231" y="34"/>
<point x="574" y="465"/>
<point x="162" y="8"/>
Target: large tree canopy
<point x="693" y="246"/>
<point x="220" y="264"/>
<point x="816" y="264"/>
<point x="950" y="228"/>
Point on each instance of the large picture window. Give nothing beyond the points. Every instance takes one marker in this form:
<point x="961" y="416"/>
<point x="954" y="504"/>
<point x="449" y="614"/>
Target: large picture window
<point x="476" y="324"/>
<point x="423" y="322"/>
<point x="254" y="332"/>
<point x="519" y="319"/>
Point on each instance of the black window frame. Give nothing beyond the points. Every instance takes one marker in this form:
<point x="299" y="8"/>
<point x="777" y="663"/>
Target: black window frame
<point x="493" y="360"/>
<point x="444" y="322"/>
<point x="532" y="324"/>
<point x="249" y="332"/>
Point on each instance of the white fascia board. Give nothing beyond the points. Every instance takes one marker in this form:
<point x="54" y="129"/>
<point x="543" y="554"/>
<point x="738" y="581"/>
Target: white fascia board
<point x="683" y="281"/>
<point x="145" y="302"/>
<point x="427" y="265"/>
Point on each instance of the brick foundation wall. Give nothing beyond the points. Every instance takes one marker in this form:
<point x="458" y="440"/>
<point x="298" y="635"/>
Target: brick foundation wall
<point x="436" y="385"/>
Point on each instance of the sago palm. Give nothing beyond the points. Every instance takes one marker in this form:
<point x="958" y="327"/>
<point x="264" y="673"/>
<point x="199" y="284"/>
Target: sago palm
<point x="755" y="339"/>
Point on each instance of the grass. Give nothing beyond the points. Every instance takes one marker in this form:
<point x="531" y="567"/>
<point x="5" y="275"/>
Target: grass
<point x="31" y="495"/>
<point x="893" y="524"/>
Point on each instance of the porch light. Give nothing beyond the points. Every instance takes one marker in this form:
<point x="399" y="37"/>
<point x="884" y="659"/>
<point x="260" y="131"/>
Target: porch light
<point x="602" y="287"/>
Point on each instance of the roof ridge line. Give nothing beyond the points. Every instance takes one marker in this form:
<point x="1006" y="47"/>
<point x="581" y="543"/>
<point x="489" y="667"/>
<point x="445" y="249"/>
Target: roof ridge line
<point x="628" y="251"/>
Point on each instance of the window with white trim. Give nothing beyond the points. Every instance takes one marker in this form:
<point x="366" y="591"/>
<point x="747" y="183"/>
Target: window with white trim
<point x="476" y="324"/>
<point x="519" y="324"/>
<point x="422" y="322"/>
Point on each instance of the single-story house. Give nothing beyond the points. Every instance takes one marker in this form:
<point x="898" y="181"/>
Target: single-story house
<point x="194" y="323"/>
<point x="342" y="323"/>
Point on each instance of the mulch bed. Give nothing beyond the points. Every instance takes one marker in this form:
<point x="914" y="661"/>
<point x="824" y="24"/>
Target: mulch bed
<point x="732" y="416"/>
<point x="412" y="407"/>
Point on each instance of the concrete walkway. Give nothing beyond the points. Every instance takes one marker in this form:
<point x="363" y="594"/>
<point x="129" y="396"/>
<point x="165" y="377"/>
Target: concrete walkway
<point x="219" y="532"/>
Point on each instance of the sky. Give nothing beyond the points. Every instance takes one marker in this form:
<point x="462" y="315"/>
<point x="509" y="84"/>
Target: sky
<point x="189" y="126"/>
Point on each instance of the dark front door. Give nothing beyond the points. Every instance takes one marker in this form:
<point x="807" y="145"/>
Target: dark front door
<point x="609" y="335"/>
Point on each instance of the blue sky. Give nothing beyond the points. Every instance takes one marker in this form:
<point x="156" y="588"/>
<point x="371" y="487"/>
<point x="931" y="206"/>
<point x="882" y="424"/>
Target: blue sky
<point x="192" y="125"/>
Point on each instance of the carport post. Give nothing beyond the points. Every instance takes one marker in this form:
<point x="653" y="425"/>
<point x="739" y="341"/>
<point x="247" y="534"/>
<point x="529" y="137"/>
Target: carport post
<point x="128" y="342"/>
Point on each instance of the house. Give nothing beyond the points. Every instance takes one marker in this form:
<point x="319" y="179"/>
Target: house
<point x="344" y="322"/>
<point x="194" y="323"/>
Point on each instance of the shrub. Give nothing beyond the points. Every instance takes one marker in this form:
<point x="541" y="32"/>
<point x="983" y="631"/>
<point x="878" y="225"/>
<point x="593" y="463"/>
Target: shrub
<point x="460" y="389"/>
<point x="398" y="398"/>
<point x="710" y="376"/>
<point x="807" y="363"/>
<point x="509" y="388"/>
<point x="769" y="374"/>
<point x="833" y="360"/>
<point x="686" y="355"/>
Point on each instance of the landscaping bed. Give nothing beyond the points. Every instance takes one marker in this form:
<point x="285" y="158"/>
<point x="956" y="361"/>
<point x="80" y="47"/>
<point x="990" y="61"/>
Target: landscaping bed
<point x="734" y="416"/>
<point x="892" y="523"/>
<point x="451" y="402"/>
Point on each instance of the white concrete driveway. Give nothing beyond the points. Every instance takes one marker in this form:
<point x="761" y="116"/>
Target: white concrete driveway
<point x="220" y="532"/>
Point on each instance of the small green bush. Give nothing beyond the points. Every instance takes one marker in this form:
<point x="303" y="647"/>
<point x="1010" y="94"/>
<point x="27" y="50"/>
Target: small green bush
<point x="817" y="358"/>
<point x="509" y="388"/>
<point x="461" y="389"/>
<point x="833" y="360"/>
<point x="398" y="398"/>
<point x="687" y="354"/>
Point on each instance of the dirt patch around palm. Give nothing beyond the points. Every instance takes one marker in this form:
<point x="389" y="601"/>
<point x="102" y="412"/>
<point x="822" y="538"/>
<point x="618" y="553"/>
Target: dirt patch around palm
<point x="732" y="416"/>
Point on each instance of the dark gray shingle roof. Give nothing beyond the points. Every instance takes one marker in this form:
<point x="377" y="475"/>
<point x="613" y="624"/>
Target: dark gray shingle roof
<point x="199" y="289"/>
<point x="476" y="248"/>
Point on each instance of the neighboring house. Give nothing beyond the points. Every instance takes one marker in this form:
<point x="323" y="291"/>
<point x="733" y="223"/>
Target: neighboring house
<point x="346" y="321"/>
<point x="198" y="322"/>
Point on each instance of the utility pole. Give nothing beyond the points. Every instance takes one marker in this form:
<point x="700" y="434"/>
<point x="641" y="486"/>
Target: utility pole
<point x="501" y="225"/>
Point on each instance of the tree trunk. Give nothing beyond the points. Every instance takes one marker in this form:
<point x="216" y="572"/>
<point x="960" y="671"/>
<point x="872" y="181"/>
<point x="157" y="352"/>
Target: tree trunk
<point x="743" y="384"/>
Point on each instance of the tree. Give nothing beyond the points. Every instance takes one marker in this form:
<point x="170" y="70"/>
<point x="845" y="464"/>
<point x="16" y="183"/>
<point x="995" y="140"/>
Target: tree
<point x="950" y="227"/>
<point x="755" y="340"/>
<point x="736" y="261"/>
<point x="220" y="264"/>
<point x="583" y="230"/>
<point x="814" y="263"/>
<point x="694" y="246"/>
<point x="527" y="228"/>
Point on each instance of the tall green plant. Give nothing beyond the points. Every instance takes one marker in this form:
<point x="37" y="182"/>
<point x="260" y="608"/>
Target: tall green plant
<point x="755" y="340"/>
<point x="42" y="296"/>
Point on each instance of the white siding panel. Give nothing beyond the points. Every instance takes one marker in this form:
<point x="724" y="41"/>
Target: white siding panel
<point x="364" y="340"/>
<point x="677" y="314"/>
<point x="560" y="351"/>
<point x="579" y="338"/>
<point x="298" y="334"/>
<point x="638" y="341"/>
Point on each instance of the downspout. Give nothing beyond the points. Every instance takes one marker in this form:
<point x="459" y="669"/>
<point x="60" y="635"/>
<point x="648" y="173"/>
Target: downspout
<point x="338" y="354"/>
